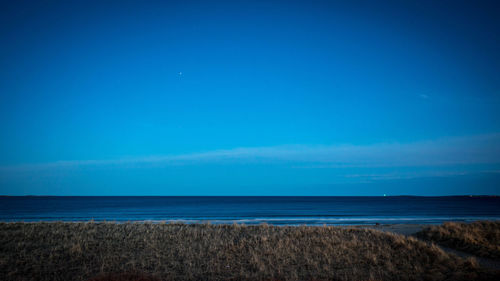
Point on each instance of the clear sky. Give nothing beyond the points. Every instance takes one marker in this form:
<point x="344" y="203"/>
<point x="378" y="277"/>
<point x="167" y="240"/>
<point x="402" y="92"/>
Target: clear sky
<point x="249" y="97"/>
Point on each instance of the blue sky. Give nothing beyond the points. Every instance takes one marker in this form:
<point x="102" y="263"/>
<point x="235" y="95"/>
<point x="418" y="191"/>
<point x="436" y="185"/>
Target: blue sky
<point x="249" y="97"/>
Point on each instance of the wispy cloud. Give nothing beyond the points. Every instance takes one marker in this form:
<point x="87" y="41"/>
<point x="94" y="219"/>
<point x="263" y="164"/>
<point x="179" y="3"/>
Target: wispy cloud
<point x="481" y="149"/>
<point x="397" y="175"/>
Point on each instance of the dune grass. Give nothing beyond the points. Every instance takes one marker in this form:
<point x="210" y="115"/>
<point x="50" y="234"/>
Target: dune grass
<point x="83" y="251"/>
<point x="480" y="238"/>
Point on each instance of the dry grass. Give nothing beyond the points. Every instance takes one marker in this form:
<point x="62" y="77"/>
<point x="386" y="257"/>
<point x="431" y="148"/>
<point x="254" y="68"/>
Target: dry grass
<point x="81" y="251"/>
<point x="128" y="276"/>
<point x="480" y="238"/>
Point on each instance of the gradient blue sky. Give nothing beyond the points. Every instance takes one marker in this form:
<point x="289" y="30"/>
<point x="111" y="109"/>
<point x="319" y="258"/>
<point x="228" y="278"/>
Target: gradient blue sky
<point x="249" y="97"/>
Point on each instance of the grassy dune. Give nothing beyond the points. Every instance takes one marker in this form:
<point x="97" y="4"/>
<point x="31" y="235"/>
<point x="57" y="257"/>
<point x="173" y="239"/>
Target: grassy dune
<point x="80" y="251"/>
<point x="478" y="238"/>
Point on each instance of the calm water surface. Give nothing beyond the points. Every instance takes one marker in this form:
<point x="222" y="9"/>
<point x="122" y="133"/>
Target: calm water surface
<point x="252" y="210"/>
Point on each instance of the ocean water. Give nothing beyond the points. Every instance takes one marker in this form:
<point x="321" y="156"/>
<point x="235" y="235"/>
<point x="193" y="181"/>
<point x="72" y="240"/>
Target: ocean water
<point x="252" y="210"/>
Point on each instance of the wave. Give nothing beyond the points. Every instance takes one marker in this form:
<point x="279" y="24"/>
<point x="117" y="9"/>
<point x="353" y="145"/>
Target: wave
<point x="271" y="221"/>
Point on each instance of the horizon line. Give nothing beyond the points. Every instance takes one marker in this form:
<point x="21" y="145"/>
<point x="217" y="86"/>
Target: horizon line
<point x="401" y="195"/>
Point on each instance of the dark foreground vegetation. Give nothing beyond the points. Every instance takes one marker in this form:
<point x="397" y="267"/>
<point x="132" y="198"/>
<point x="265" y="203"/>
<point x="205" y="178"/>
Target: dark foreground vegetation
<point x="131" y="251"/>
<point x="479" y="238"/>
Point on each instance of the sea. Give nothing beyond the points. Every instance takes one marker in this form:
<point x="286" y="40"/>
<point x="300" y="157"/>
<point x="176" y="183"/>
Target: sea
<point x="273" y="210"/>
